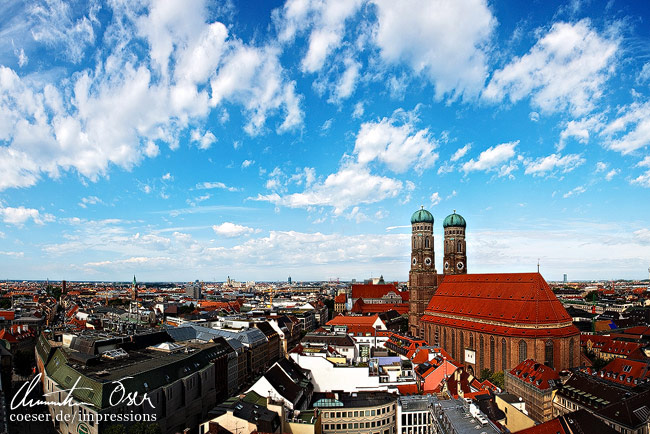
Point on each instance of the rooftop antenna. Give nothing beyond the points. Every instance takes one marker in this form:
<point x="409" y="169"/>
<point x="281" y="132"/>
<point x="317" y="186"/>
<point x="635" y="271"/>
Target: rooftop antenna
<point x="538" y="265"/>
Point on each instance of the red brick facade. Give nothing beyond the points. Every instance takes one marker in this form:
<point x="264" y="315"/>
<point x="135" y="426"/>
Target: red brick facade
<point x="503" y="319"/>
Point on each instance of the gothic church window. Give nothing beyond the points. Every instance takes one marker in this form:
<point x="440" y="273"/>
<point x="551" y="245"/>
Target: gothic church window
<point x="523" y="350"/>
<point x="492" y="351"/>
<point x="504" y="355"/>
<point x="548" y="353"/>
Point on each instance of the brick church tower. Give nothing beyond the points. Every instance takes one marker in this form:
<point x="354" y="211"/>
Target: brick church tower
<point x="455" y="260"/>
<point x="423" y="277"/>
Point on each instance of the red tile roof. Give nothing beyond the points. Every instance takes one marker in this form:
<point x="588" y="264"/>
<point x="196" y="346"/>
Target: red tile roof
<point x="517" y="298"/>
<point x="360" y="290"/>
<point x="625" y="371"/>
<point x="535" y="374"/>
<point x="7" y="314"/>
<point x="341" y="298"/>
<point x="619" y="347"/>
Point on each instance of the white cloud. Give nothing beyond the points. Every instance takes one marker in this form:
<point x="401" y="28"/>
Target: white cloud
<point x="90" y="200"/>
<point x="601" y="166"/>
<point x="534" y="116"/>
<point x="644" y="74"/>
<point x="566" y="69"/>
<point x="167" y="177"/>
<point x="461" y="152"/>
<point x="580" y="130"/>
<point x="611" y="174"/>
<point x="633" y="128"/>
<point x="549" y="164"/>
<point x="325" y="22"/>
<point x="426" y="36"/>
<point x="645" y="162"/>
<point x="358" y="110"/>
<point x="19" y="216"/>
<point x="397" y="146"/>
<point x="348" y="80"/>
<point x="210" y="185"/>
<point x="575" y="192"/>
<point x="204" y="140"/>
<point x="54" y="25"/>
<point x="351" y="185"/>
<point x="327" y="125"/>
<point x="14" y="254"/>
<point x="232" y="230"/>
<point x="435" y="199"/>
<point x="492" y="159"/>
<point x="247" y="163"/>
<point x="134" y="96"/>
<point x="643" y="180"/>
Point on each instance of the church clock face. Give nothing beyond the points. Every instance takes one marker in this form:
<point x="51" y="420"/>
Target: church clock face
<point x="427" y="261"/>
<point x="446" y="265"/>
<point x="414" y="261"/>
<point x="459" y="265"/>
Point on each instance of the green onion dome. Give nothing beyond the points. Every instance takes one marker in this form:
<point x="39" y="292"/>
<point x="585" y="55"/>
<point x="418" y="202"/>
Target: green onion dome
<point x="422" y="216"/>
<point x="454" y="221"/>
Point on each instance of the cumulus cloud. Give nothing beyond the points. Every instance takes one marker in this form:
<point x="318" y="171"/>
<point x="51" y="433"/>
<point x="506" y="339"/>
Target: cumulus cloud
<point x="351" y="185"/>
<point x="396" y="143"/>
<point x="19" y="216"/>
<point x="203" y="140"/>
<point x="435" y="199"/>
<point x="493" y="159"/>
<point x="90" y="200"/>
<point x="611" y="174"/>
<point x="552" y="163"/>
<point x="126" y="103"/>
<point x="566" y="69"/>
<point x="232" y="230"/>
<point x="461" y="152"/>
<point x="630" y="130"/>
<point x="426" y="37"/>
<point x="247" y="163"/>
<point x="324" y="21"/>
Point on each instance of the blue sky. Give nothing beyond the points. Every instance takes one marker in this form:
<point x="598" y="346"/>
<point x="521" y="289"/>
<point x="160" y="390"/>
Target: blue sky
<point x="261" y="140"/>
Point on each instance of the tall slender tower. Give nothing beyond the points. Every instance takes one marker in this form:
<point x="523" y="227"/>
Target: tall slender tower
<point x="423" y="278"/>
<point x="134" y="289"/>
<point x="455" y="261"/>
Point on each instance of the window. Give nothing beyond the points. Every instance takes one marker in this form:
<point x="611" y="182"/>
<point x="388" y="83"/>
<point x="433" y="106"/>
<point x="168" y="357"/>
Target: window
<point x="453" y="345"/>
<point x="481" y="352"/>
<point x="523" y="350"/>
<point x="426" y="242"/>
<point x="492" y="351"/>
<point x="462" y="344"/>
<point x="471" y="341"/>
<point x="504" y="355"/>
<point x="548" y="353"/>
<point x="571" y="344"/>
<point x="460" y="247"/>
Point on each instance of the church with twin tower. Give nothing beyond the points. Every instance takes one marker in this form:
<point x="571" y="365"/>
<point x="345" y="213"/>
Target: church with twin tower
<point x="484" y="321"/>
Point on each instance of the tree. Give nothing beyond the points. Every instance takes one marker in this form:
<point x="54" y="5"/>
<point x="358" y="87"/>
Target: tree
<point x="485" y="374"/>
<point x="115" y="429"/>
<point x="498" y="379"/>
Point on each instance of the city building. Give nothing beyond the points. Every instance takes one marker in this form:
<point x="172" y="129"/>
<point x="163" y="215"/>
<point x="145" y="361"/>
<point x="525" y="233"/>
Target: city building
<point x="485" y="321"/>
<point x="361" y="412"/>
<point x="534" y="383"/>
<point x="495" y="321"/>
<point x="178" y="379"/>
<point x="414" y="414"/>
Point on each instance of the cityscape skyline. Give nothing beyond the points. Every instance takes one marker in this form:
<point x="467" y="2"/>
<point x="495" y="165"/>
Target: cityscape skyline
<point x="183" y="142"/>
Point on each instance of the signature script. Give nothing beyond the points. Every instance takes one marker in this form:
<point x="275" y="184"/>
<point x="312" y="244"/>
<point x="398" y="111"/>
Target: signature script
<point x="118" y="396"/>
